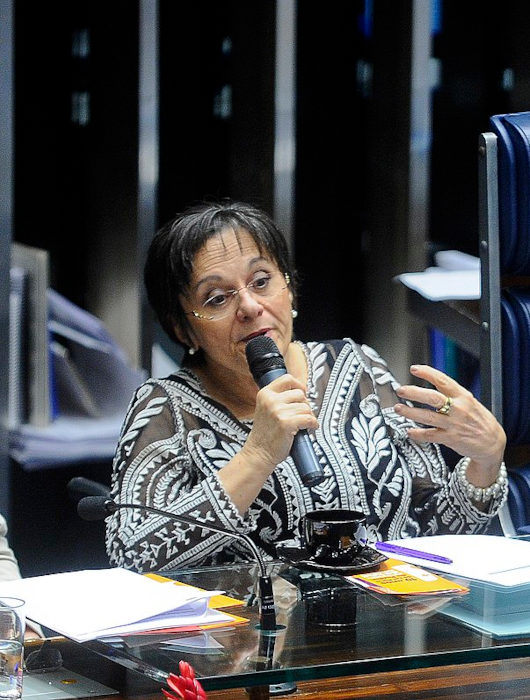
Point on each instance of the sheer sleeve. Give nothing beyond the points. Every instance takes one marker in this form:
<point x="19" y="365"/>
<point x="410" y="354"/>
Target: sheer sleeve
<point x="438" y="502"/>
<point x="153" y="466"/>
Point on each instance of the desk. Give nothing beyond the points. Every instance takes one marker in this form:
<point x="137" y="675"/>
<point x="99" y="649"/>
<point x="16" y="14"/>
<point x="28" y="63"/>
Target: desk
<point x="389" y="644"/>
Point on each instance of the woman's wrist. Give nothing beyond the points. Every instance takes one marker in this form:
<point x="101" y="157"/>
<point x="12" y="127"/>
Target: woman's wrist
<point x="482" y="494"/>
<point x="258" y="460"/>
<point x="243" y="477"/>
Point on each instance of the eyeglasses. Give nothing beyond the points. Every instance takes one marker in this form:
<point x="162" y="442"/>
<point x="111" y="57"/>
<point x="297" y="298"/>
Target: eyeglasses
<point x="223" y="302"/>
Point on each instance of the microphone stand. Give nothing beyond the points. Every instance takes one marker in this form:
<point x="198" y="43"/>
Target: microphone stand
<point x="266" y="598"/>
<point x="94" y="507"/>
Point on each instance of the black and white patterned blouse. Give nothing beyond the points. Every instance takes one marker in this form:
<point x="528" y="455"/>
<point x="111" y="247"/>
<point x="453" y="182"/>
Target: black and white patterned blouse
<point x="175" y="439"/>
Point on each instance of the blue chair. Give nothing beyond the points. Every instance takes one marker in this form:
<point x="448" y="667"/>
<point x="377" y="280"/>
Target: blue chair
<point x="513" y="147"/>
<point x="512" y="191"/>
<point x="511" y="364"/>
<point x="518" y="498"/>
<point x="507" y="193"/>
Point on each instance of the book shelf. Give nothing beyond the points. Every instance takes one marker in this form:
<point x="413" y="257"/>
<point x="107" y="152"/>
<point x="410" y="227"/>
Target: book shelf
<point x="476" y="326"/>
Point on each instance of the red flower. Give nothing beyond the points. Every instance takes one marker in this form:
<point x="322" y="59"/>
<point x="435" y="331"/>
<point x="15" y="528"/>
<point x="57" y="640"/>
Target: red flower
<point x="186" y="686"/>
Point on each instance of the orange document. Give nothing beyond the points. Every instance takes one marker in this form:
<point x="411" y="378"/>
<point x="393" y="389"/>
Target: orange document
<point x="400" y="578"/>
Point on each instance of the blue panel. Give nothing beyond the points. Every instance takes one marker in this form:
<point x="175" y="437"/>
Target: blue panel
<point x="507" y="194"/>
<point x="518" y="127"/>
<point x="510" y="369"/>
<point x="520" y="302"/>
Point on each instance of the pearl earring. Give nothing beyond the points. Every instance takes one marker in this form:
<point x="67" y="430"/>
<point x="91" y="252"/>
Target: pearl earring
<point x="191" y="351"/>
<point x="294" y="313"/>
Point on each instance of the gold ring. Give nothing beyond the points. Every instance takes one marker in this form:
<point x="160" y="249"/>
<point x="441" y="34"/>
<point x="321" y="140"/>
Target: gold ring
<point x="444" y="410"/>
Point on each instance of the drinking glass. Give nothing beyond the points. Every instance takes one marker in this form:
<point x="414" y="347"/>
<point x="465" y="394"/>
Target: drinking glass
<point x="12" y="626"/>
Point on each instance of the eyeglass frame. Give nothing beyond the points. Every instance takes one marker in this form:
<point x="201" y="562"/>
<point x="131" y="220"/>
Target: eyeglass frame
<point x="233" y="293"/>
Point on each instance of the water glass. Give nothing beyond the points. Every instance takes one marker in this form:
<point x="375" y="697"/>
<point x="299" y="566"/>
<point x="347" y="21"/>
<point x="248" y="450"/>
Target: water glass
<point x="12" y="627"/>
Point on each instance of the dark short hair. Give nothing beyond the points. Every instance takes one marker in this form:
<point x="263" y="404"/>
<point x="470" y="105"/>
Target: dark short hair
<point x="172" y="251"/>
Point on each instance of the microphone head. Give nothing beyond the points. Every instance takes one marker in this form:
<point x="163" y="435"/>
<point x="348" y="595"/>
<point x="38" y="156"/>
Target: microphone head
<point x="94" y="507"/>
<point x="263" y="355"/>
<point x="79" y="486"/>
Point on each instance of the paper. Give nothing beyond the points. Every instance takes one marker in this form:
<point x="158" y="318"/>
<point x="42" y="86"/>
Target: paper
<point x="438" y="284"/>
<point x="217" y="601"/>
<point x="400" y="578"/>
<point x="456" y="276"/>
<point x="92" y="386"/>
<point x="489" y="558"/>
<point x="456" y="260"/>
<point x="74" y="397"/>
<point x="200" y="643"/>
<point x="91" y="604"/>
<point x="65" y="441"/>
<point x="99" y="360"/>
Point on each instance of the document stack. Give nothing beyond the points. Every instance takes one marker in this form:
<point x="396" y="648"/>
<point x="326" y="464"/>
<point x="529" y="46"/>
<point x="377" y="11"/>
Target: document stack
<point x="101" y="603"/>
<point x="497" y="572"/>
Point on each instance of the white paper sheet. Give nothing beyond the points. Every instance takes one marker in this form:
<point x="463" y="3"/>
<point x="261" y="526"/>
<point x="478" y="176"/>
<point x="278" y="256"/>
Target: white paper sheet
<point x="456" y="260"/>
<point x="499" y="560"/>
<point x="87" y="604"/>
<point x="198" y="642"/>
<point x="68" y="439"/>
<point x="438" y="284"/>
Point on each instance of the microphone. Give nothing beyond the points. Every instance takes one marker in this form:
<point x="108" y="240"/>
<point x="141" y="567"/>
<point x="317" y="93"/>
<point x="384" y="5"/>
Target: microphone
<point x="79" y="486"/>
<point x="99" y="507"/>
<point x="266" y="364"/>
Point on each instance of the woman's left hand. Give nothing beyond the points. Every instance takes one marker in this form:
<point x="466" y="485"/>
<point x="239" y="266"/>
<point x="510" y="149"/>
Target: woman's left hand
<point x="467" y="427"/>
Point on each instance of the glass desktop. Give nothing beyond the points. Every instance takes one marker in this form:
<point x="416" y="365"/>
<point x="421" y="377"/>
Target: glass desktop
<point x="326" y="628"/>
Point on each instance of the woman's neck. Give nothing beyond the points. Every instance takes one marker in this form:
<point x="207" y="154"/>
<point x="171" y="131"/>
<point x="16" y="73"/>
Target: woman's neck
<point x="238" y="393"/>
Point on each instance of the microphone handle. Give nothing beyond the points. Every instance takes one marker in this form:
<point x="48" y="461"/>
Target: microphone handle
<point x="306" y="460"/>
<point x="270" y="376"/>
<point x="302" y="451"/>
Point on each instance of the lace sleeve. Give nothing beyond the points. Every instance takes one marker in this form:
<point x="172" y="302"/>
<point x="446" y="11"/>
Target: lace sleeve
<point x="438" y="502"/>
<point x="153" y="467"/>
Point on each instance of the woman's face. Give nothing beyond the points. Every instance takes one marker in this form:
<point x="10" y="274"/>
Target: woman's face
<point x="222" y="264"/>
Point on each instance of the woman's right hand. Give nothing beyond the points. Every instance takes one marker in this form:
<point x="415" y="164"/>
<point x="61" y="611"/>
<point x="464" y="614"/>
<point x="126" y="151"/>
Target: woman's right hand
<point x="282" y="409"/>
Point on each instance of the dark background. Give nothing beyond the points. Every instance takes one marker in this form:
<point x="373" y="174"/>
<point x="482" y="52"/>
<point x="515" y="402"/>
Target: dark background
<point x="70" y="177"/>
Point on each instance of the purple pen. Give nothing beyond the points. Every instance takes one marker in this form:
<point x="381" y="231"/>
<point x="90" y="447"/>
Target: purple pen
<point x="416" y="553"/>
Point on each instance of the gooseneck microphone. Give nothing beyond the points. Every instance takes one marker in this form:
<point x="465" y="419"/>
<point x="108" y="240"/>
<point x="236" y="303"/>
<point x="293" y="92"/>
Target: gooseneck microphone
<point x="266" y="363"/>
<point x="99" y="507"/>
<point x="80" y="486"/>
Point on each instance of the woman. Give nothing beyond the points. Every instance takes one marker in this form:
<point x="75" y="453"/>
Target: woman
<point x="205" y="442"/>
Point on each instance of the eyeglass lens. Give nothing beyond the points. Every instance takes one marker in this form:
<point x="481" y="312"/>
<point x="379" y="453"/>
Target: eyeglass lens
<point x="225" y="303"/>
